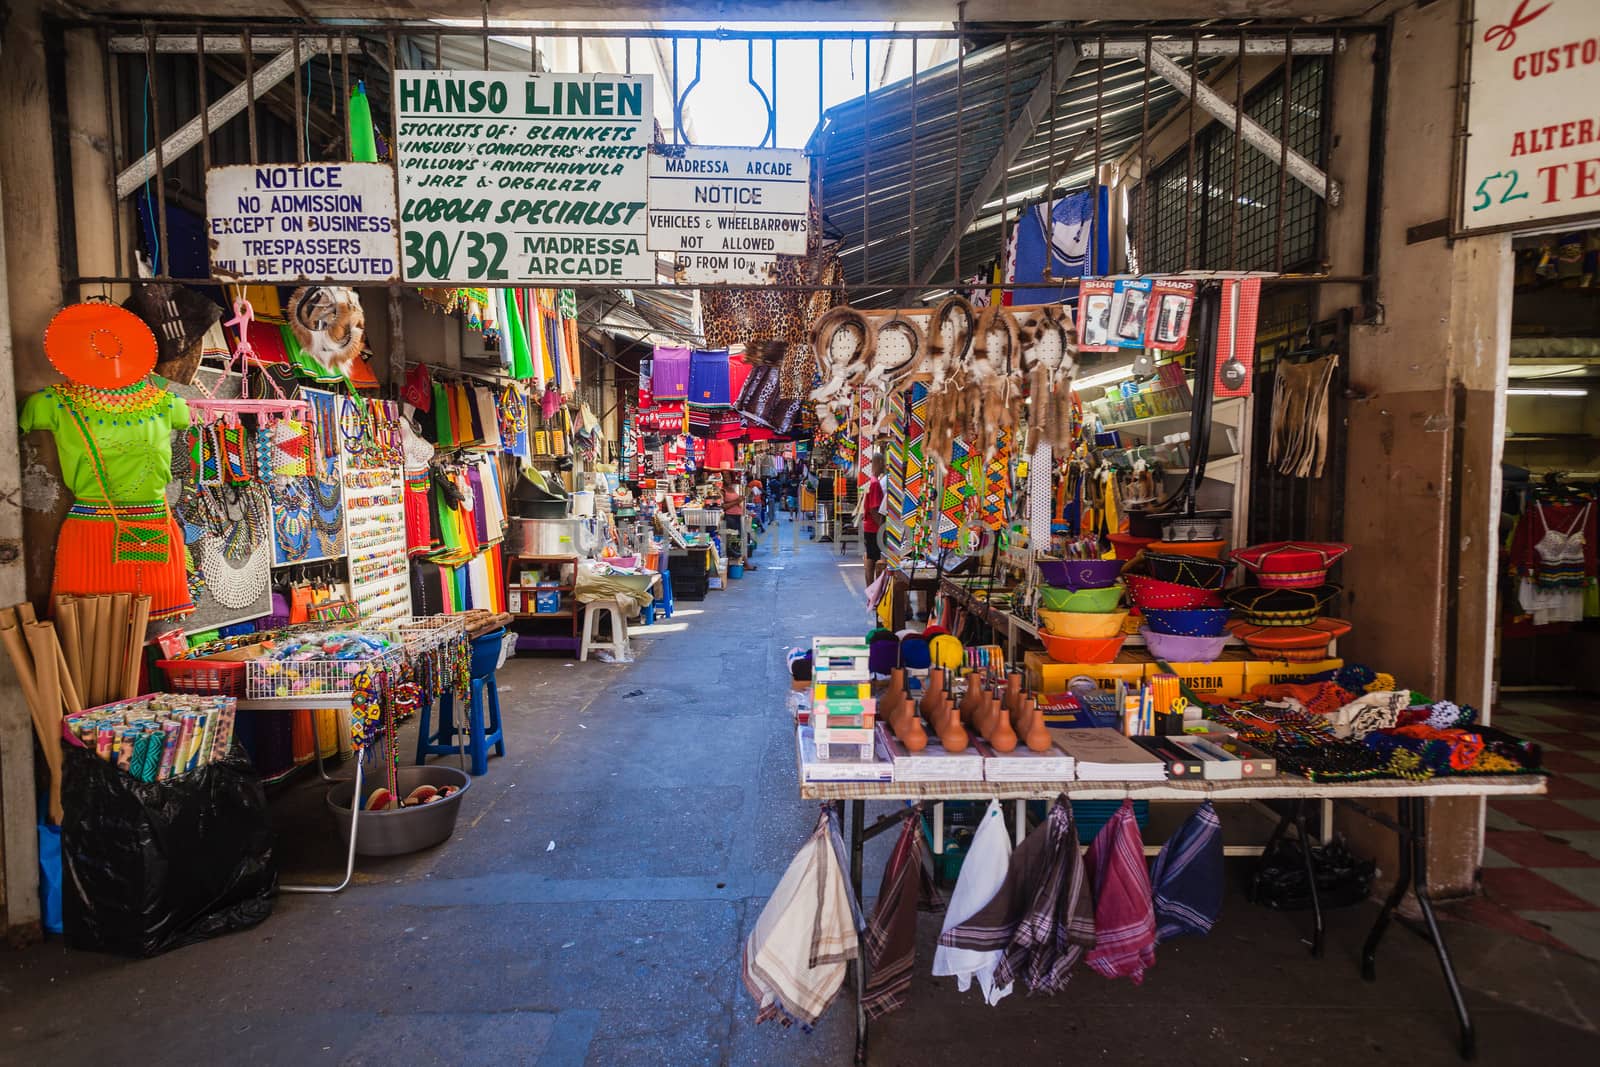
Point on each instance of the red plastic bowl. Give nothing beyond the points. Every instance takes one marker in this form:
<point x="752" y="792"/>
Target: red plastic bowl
<point x="1148" y="592"/>
<point x="1126" y="546"/>
<point x="1082" y="649"/>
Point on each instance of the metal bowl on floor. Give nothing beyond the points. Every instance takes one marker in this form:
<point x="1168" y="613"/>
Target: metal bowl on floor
<point x="402" y="830"/>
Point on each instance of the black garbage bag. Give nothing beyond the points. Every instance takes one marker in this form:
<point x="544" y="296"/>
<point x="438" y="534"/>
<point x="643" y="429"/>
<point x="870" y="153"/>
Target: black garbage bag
<point x="151" y="866"/>
<point x="1279" y="880"/>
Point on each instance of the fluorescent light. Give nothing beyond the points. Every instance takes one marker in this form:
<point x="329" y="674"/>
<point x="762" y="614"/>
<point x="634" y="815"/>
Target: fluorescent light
<point x="1547" y="392"/>
<point x="1105" y="377"/>
<point x="1546" y="370"/>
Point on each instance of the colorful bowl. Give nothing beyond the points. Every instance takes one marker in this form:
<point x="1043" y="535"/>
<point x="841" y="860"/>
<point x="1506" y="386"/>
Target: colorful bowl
<point x="1175" y="648"/>
<point x="1082" y="650"/>
<point x="1149" y="592"/>
<point x="1280" y="607"/>
<point x="1189" y="622"/>
<point x="1199" y="549"/>
<point x="1097" y="601"/>
<point x="1082" y="624"/>
<point x="1200" y="572"/>
<point x="1079" y="573"/>
<point x="1295" y="644"/>
<point x="1127" y="546"/>
<point x="1292" y="564"/>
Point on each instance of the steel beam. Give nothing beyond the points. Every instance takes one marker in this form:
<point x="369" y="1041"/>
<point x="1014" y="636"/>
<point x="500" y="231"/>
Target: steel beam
<point x="1299" y="167"/>
<point x="225" y="44"/>
<point x="226" y="107"/>
<point x="1211" y="46"/>
<point x="1037" y="105"/>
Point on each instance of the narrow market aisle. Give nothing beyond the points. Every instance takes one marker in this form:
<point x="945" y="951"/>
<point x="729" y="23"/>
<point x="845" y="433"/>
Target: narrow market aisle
<point x="589" y="909"/>
<point x="592" y="905"/>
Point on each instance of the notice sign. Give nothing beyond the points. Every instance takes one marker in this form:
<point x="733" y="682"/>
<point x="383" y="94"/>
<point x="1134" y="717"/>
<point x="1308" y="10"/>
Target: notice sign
<point x="1533" y="119"/>
<point x="523" y="179"/>
<point x="727" y="213"/>
<point x="332" y="222"/>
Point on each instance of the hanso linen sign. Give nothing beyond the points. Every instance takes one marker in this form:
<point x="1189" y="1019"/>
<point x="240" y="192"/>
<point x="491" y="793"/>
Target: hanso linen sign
<point x="1533" y="120"/>
<point x="727" y="213"/>
<point x="523" y="179"/>
<point x="312" y="222"/>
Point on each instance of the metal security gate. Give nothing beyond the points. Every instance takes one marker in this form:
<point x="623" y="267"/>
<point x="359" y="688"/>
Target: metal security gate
<point x="916" y="177"/>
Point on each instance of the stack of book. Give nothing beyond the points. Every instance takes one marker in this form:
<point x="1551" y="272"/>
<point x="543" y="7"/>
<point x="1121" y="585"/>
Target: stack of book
<point x="932" y="764"/>
<point x="1102" y="755"/>
<point x="1024" y="765"/>
<point x="875" y="769"/>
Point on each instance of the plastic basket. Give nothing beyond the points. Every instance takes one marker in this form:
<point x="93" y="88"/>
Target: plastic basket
<point x="205" y="676"/>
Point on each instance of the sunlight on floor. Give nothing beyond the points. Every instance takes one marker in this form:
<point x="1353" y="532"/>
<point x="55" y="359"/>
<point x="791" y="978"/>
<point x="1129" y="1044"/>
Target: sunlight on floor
<point x="657" y="628"/>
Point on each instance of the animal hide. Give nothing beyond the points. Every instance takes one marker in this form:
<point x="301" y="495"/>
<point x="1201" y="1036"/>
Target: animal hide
<point x="328" y="322"/>
<point x="843" y="365"/>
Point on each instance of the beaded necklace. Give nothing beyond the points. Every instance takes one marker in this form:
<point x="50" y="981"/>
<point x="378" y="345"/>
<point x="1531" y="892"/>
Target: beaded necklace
<point x="130" y="404"/>
<point x="292" y="523"/>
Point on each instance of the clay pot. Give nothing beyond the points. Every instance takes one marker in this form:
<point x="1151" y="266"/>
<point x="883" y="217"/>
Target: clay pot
<point x="939" y="709"/>
<point x="995" y="724"/>
<point x="1029" y="725"/>
<point x="898" y="712"/>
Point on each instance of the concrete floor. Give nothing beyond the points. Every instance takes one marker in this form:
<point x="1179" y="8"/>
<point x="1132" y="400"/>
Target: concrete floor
<point x="668" y="788"/>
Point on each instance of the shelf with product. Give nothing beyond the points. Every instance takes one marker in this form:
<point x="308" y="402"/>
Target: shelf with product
<point x="1162" y="444"/>
<point x="540" y="597"/>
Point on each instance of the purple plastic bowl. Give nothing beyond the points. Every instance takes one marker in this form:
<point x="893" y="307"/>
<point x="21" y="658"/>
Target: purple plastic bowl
<point x="1175" y="648"/>
<point x="1080" y="573"/>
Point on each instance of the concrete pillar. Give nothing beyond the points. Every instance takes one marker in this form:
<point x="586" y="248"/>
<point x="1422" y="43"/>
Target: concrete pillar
<point x="1423" y="422"/>
<point x="28" y="240"/>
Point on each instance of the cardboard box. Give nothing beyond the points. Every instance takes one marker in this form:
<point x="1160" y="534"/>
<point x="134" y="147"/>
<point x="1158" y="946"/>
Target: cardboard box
<point x="1277" y="672"/>
<point x="1210" y="682"/>
<point x="1045" y="675"/>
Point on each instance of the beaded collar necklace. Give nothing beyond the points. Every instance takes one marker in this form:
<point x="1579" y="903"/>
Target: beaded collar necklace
<point x="132" y="402"/>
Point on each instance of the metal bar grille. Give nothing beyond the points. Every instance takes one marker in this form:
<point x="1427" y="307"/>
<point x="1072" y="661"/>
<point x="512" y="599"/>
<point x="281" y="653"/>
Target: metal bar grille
<point x="1242" y="184"/>
<point x="892" y="164"/>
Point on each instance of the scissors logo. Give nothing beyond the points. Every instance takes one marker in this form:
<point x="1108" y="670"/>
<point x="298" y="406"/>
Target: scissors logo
<point x="1504" y="35"/>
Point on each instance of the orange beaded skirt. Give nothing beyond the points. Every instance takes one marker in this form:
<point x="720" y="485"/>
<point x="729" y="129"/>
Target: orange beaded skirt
<point x="137" y="549"/>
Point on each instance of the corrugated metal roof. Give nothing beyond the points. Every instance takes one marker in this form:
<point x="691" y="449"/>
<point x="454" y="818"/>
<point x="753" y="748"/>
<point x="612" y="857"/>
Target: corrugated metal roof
<point x="864" y="150"/>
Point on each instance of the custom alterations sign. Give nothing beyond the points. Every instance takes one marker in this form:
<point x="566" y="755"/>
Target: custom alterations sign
<point x="523" y="179"/>
<point x="726" y="214"/>
<point x="1533" y="113"/>
<point x="281" y="222"/>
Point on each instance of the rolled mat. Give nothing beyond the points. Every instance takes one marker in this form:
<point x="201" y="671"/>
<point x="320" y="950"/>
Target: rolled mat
<point x="135" y="654"/>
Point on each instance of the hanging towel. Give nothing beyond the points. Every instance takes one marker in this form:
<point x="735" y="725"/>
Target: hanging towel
<point x="794" y="960"/>
<point x="1124" y="920"/>
<point x="488" y="416"/>
<point x="1042" y="917"/>
<point x="1187" y="877"/>
<point x="669" y="373"/>
<point x="709" y="384"/>
<point x="891" y="937"/>
<point x="983" y="871"/>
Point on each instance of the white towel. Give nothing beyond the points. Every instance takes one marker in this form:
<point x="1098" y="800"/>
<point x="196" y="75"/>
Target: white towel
<point x="982" y="872"/>
<point x="795" y="958"/>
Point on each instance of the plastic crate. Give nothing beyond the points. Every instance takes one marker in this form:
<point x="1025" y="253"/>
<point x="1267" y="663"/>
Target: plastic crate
<point x="211" y="677"/>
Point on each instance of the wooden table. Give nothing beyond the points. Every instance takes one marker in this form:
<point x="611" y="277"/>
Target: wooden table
<point x="1410" y="827"/>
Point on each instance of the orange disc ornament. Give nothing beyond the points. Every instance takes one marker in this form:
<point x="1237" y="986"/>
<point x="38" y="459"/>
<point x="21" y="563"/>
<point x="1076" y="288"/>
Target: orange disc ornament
<point x="102" y="346"/>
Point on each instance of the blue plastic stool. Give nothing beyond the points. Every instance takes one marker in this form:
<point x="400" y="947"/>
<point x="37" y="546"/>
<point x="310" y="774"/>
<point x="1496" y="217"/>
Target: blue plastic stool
<point x="484" y="704"/>
<point x="663" y="602"/>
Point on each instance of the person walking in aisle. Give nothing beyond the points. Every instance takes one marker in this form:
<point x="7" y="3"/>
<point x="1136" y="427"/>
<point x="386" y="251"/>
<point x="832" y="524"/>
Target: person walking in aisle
<point x="872" y="516"/>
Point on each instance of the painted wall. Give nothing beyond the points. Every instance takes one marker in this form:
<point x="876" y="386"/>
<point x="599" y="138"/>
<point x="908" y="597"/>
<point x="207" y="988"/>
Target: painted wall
<point x="1424" y="421"/>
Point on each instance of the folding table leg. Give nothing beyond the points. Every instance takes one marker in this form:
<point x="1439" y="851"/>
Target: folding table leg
<point x="858" y="817"/>
<point x="350" y="855"/>
<point x="1317" y="926"/>
<point x="316" y="746"/>
<point x="1419" y="862"/>
<point x="1402" y="882"/>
